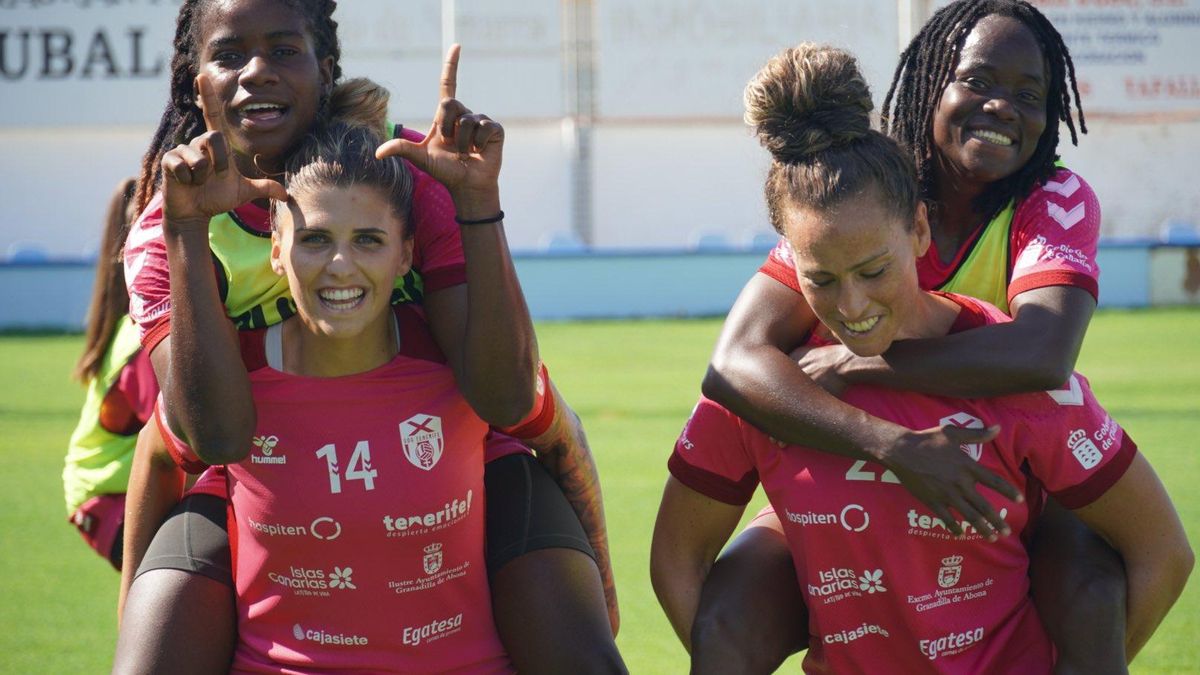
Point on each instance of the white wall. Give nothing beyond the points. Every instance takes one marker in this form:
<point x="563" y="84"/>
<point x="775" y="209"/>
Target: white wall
<point x="671" y="160"/>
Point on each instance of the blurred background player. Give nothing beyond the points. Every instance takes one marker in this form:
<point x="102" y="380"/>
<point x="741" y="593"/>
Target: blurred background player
<point x="120" y="395"/>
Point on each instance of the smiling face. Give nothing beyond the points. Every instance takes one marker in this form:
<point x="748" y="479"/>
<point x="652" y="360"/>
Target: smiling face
<point x="341" y="250"/>
<point x="856" y="263"/>
<point x="260" y="56"/>
<point x="993" y="110"/>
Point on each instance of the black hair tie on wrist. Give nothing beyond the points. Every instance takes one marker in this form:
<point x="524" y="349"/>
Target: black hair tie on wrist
<point x="482" y="221"/>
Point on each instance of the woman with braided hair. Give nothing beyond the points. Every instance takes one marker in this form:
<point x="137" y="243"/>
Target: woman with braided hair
<point x="977" y="98"/>
<point x="273" y="69"/>
<point x="888" y="588"/>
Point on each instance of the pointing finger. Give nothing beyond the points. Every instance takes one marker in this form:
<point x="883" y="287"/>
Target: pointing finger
<point x="214" y="119"/>
<point x="450" y="73"/>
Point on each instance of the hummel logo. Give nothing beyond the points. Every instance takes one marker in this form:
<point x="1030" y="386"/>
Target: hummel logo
<point x="1067" y="219"/>
<point x="1066" y="188"/>
<point x="266" y="444"/>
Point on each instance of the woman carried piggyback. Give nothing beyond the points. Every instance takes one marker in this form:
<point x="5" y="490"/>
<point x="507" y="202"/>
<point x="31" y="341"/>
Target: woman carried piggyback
<point x="357" y="517"/>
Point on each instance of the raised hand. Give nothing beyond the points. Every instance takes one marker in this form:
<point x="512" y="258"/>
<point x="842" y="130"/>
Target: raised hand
<point x="932" y="466"/>
<point x="463" y="150"/>
<point x="201" y="180"/>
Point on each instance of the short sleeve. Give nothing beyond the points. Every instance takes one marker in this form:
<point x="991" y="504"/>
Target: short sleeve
<point x="139" y="385"/>
<point x="147" y="276"/>
<point x="1075" y="448"/>
<point x="438" y="252"/>
<point x="711" y="456"/>
<point x="1054" y="237"/>
<point x="180" y="451"/>
<point x="780" y="266"/>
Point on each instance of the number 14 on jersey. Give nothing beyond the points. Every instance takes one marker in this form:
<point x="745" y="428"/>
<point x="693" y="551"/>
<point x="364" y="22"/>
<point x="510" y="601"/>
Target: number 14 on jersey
<point x="359" y="467"/>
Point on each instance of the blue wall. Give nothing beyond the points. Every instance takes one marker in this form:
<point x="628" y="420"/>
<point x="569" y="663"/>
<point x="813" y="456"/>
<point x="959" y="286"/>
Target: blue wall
<point x="604" y="284"/>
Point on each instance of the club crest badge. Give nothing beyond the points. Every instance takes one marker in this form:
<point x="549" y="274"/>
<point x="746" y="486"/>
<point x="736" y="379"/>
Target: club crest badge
<point x="966" y="421"/>
<point x="423" y="441"/>
<point x="433" y="558"/>
<point x="950" y="572"/>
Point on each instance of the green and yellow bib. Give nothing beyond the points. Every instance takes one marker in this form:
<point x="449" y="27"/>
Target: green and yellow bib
<point x="98" y="460"/>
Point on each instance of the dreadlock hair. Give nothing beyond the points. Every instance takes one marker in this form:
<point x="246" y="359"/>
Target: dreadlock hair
<point x="341" y="153"/>
<point x="182" y="119"/>
<point x="110" y="299"/>
<point x="810" y="107"/>
<point x="925" y="69"/>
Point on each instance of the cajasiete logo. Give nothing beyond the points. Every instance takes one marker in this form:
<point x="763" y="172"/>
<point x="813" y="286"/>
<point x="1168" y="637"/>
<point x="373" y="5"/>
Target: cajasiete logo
<point x="323" y="637"/>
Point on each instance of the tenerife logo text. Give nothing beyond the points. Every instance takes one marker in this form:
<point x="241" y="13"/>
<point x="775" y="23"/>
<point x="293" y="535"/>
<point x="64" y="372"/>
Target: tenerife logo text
<point x="853" y="518"/>
<point x="848" y="636"/>
<point x="451" y="513"/>
<point x="952" y="643"/>
<point x="931" y="526"/>
<point x="434" y="630"/>
<point x="321" y="637"/>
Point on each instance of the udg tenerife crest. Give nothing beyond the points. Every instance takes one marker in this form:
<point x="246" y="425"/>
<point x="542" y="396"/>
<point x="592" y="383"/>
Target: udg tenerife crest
<point x="423" y="442"/>
<point x="433" y="558"/>
<point x="966" y="421"/>
<point x="950" y="572"/>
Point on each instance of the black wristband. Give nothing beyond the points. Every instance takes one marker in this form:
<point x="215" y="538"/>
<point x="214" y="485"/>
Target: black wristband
<point x="482" y="221"/>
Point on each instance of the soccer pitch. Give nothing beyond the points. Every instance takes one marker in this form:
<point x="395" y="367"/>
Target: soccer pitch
<point x="633" y="383"/>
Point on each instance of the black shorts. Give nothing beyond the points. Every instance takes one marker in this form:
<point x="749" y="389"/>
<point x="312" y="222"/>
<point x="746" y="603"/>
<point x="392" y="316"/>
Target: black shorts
<point x="526" y="512"/>
<point x="194" y="538"/>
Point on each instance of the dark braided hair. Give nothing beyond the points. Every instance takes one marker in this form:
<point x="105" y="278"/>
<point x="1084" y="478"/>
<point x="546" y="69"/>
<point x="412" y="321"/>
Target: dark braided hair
<point x="925" y="69"/>
<point x="182" y="119"/>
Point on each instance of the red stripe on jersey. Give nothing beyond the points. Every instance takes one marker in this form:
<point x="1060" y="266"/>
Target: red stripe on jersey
<point x="714" y="486"/>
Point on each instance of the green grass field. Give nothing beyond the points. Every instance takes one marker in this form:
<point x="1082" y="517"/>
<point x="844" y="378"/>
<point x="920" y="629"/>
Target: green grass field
<point x="633" y="383"/>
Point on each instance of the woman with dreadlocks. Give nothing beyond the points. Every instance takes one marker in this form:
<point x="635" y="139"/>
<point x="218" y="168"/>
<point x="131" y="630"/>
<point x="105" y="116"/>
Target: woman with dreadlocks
<point x="273" y="67"/>
<point x="888" y="589"/>
<point x="978" y="97"/>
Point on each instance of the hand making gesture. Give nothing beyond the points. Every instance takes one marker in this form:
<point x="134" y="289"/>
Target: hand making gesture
<point x="200" y="180"/>
<point x="462" y="149"/>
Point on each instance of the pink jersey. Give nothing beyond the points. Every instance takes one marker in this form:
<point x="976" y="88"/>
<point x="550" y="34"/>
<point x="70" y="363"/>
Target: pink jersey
<point x="888" y="588"/>
<point x="357" y="522"/>
<point x="130" y="402"/>
<point x="1052" y="242"/>
<point x="437" y="251"/>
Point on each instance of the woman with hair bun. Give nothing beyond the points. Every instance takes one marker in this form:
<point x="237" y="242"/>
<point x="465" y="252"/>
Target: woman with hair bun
<point x="889" y="587"/>
<point x="978" y="99"/>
